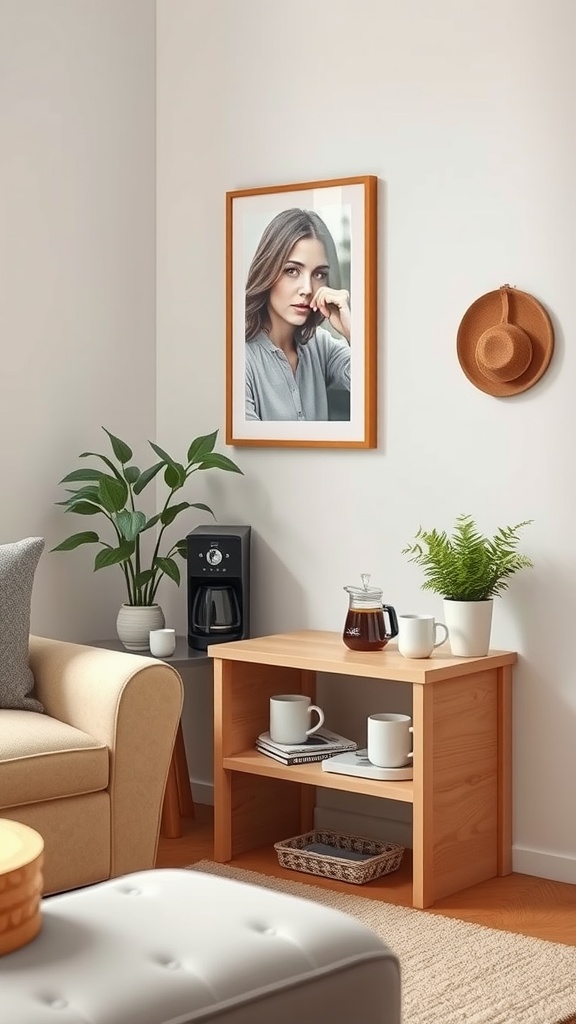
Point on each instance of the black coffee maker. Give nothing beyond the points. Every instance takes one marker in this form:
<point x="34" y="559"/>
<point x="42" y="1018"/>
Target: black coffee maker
<point x="218" y="585"/>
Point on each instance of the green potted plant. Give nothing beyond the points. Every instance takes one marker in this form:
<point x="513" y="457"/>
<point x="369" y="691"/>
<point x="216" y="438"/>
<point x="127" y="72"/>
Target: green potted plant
<point x="468" y="570"/>
<point x="112" y="493"/>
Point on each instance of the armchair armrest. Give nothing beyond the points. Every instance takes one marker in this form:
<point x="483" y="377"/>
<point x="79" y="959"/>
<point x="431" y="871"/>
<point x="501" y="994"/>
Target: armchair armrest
<point x="133" y="705"/>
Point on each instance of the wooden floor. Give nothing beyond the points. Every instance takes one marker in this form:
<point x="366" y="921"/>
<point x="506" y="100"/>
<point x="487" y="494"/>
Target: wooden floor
<point x="517" y="903"/>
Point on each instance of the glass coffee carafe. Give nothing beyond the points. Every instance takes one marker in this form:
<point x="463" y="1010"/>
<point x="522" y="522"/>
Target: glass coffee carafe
<point x="370" y="624"/>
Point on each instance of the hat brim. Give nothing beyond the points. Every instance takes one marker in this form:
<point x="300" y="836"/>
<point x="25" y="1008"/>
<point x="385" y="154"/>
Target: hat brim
<point x="526" y="312"/>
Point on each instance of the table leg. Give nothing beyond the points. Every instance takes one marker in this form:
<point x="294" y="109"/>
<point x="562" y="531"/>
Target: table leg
<point x="423" y="807"/>
<point x="171" y="825"/>
<point x="178" y="801"/>
<point x="185" y="799"/>
<point x="504" y="770"/>
<point x="222" y="778"/>
<point x="461" y="784"/>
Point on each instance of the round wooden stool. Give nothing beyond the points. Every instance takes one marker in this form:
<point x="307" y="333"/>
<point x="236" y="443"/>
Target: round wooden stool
<point x="21" y="858"/>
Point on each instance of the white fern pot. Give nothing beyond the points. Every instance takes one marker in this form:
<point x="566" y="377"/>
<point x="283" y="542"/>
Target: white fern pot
<point x="469" y="624"/>
<point x="134" y="623"/>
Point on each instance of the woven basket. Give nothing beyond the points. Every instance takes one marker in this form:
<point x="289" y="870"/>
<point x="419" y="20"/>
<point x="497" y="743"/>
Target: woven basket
<point x="382" y="857"/>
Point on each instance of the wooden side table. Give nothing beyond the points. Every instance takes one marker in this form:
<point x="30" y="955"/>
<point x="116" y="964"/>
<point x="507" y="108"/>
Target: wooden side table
<point x="178" y="800"/>
<point x="21" y="859"/>
<point x="461" y="793"/>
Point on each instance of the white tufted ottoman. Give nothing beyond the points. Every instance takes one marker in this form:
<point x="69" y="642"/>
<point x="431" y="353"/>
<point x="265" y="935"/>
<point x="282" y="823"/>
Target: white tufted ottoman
<point x="173" y="946"/>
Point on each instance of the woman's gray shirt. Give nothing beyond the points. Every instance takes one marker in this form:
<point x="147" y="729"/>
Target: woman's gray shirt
<point x="274" y="392"/>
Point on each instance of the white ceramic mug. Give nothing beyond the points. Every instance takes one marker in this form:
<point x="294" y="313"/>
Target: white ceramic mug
<point x="162" y="642"/>
<point x="290" y="716"/>
<point x="418" y="635"/>
<point x="389" y="740"/>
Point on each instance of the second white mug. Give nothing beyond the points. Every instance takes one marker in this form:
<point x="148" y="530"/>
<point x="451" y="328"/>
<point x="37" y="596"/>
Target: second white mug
<point x="290" y="718"/>
<point x="418" y="635"/>
<point x="389" y="740"/>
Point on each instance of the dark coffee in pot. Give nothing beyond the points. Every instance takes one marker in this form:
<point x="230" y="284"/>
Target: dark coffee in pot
<point x="364" y="629"/>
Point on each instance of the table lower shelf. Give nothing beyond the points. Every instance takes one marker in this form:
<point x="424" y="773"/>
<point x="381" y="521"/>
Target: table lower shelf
<point x="253" y="763"/>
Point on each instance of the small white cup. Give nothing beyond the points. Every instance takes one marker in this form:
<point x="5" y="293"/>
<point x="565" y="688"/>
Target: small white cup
<point x="290" y="718"/>
<point x="162" y="642"/>
<point x="389" y="740"/>
<point x="418" y="635"/>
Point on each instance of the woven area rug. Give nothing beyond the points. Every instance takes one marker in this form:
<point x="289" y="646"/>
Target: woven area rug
<point x="453" y="972"/>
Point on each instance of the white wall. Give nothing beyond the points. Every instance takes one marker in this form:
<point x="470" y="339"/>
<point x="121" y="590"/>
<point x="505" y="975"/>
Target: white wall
<point x="464" y="111"/>
<point x="77" y="274"/>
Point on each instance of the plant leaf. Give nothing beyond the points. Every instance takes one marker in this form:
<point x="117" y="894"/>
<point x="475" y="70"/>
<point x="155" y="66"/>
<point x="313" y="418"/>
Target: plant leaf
<point x="112" y="493"/>
<point x="175" y="476"/>
<point x="82" y="494"/>
<point x="131" y="474"/>
<point x="76" y="539"/>
<point x="152" y="522"/>
<point x="111" y="556"/>
<point x="182" y="548"/>
<point x="84" y="508"/>
<point x="202" y="507"/>
<point x="82" y="474"/>
<point x="169" y="514"/>
<point x="200" y="447"/>
<point x="130" y="524"/>
<point x="108" y="462"/>
<point x="168" y="566"/>
<point x="146" y="476"/>
<point x="143" y="577"/>
<point x="217" y="461"/>
<point x="121" y="450"/>
<point x="166" y="459"/>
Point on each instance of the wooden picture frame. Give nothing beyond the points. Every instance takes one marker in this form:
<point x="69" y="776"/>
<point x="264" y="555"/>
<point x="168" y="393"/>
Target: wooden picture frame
<point x="293" y="377"/>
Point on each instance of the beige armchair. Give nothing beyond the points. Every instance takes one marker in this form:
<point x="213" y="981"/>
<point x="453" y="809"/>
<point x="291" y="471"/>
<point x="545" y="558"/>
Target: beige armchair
<point x="90" y="773"/>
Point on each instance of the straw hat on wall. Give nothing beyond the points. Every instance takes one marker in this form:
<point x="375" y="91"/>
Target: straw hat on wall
<point x="505" y="342"/>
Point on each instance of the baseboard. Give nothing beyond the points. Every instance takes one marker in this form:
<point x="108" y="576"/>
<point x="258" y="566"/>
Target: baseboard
<point x="544" y="865"/>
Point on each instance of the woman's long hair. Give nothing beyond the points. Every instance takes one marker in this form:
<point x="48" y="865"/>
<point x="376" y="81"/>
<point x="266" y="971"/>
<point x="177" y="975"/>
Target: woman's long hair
<point x="274" y="248"/>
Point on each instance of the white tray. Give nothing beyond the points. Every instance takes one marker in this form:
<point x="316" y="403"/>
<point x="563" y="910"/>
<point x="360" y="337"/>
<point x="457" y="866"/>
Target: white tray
<point x="355" y="762"/>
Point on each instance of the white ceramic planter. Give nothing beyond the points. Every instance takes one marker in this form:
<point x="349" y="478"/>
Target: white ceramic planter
<point x="134" y="623"/>
<point x="469" y="625"/>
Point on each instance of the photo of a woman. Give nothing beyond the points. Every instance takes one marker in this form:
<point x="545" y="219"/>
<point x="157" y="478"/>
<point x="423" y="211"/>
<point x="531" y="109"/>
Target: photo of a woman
<point x="301" y="301"/>
<point x="293" y="287"/>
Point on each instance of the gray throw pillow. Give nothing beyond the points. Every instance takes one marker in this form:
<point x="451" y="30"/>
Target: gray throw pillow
<point x="17" y="567"/>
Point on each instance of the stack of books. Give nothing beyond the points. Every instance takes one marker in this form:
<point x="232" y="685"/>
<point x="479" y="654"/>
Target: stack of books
<point x="323" y="743"/>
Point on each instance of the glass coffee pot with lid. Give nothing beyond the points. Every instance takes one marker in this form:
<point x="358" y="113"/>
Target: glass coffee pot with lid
<point x="370" y="624"/>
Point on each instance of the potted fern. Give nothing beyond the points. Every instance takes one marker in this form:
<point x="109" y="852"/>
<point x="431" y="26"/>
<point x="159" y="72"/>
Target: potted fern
<point x="468" y="570"/>
<point x="112" y="492"/>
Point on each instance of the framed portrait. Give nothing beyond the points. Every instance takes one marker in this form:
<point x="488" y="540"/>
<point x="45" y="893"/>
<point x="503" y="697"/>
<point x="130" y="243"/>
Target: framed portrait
<point x="301" y="315"/>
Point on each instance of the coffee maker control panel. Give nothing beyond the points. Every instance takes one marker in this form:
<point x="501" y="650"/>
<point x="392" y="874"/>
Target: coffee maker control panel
<point x="214" y="556"/>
